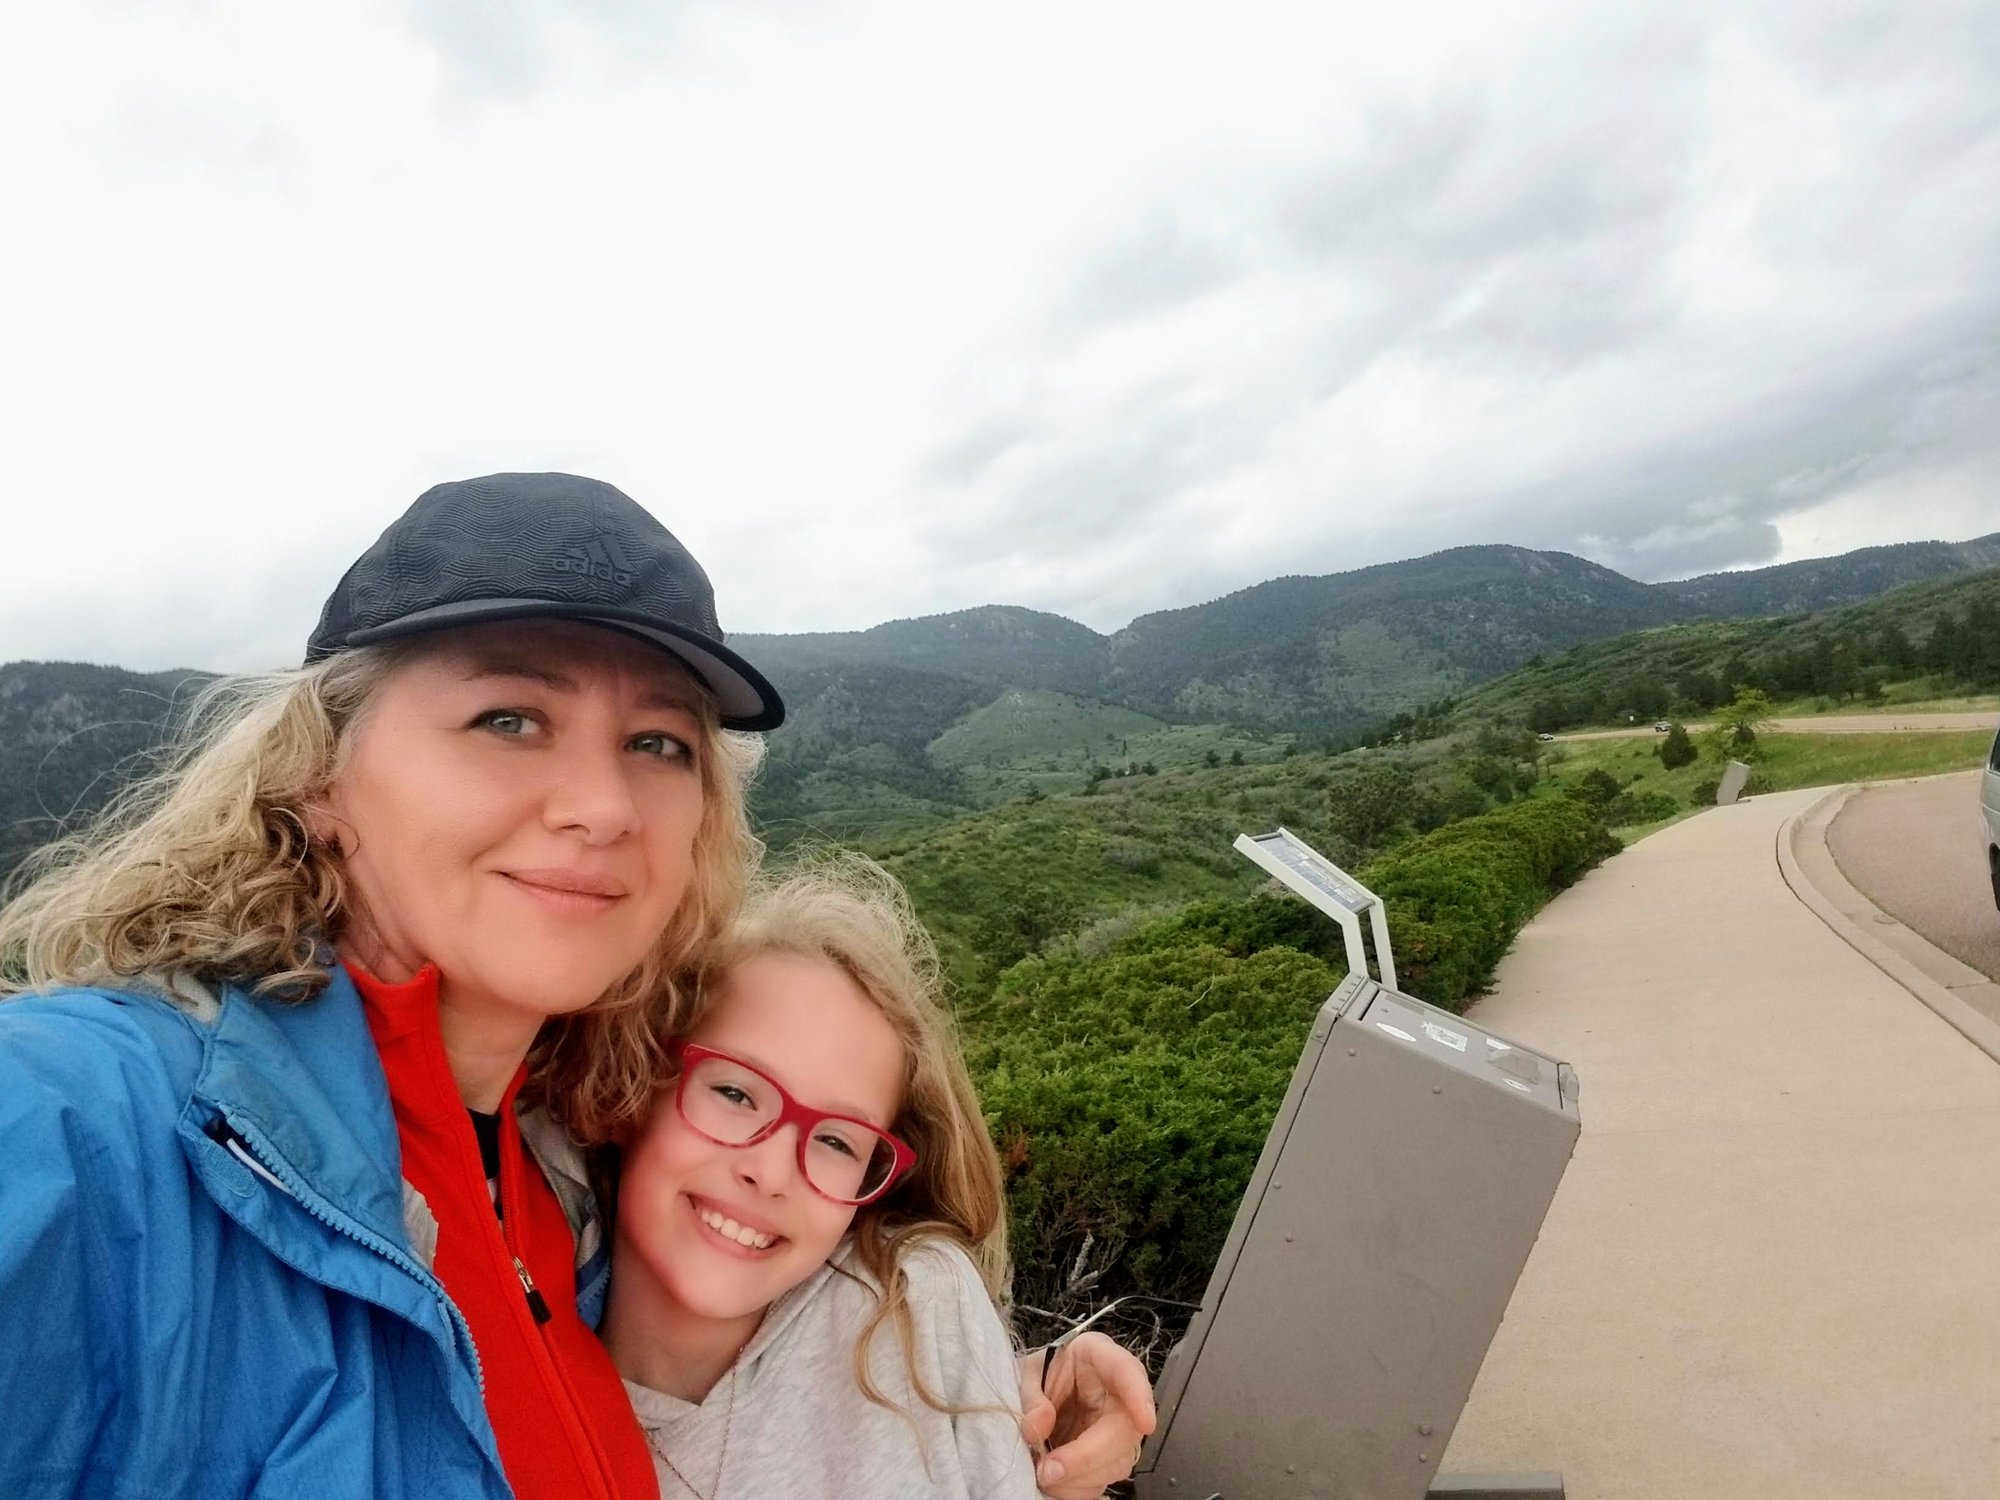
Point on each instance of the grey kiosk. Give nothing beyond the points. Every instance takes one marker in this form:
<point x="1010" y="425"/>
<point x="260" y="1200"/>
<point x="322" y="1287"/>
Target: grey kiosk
<point x="1398" y="1194"/>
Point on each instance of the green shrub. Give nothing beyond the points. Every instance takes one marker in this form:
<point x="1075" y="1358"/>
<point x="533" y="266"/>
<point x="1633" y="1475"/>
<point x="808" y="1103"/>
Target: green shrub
<point x="1456" y="897"/>
<point x="1629" y="809"/>
<point x="1129" y="1087"/>
<point x="1677" y="750"/>
<point x="1133" y="855"/>
<point x="1597" y="787"/>
<point x="1130" y="1097"/>
<point x="1241" y="928"/>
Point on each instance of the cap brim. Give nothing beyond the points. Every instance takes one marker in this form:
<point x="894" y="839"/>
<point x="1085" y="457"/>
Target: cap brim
<point x="743" y="695"/>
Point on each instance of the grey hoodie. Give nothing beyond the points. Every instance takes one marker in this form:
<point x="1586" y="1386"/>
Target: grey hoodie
<point x="800" y="1425"/>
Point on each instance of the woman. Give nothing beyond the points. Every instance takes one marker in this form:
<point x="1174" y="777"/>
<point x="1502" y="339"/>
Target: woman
<point x="267" y="1224"/>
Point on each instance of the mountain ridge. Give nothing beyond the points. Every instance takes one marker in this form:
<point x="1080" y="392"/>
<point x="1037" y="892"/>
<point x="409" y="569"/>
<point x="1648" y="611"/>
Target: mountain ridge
<point x="872" y="712"/>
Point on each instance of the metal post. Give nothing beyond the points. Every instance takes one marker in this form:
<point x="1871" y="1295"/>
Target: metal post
<point x="1296" y="864"/>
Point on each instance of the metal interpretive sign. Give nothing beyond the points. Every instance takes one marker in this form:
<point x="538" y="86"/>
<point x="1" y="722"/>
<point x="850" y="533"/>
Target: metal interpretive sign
<point x="1302" y="868"/>
<point x="1730" y="792"/>
<point x="1397" y="1198"/>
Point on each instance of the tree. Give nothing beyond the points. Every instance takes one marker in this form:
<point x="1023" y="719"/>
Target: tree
<point x="1547" y="714"/>
<point x="1211" y="760"/>
<point x="1677" y="750"/>
<point x="1367" y="805"/>
<point x="1893" y="648"/>
<point x="1736" y="724"/>
<point x="1702" y="689"/>
<point x="1945" y="650"/>
<point x="1597" y="787"/>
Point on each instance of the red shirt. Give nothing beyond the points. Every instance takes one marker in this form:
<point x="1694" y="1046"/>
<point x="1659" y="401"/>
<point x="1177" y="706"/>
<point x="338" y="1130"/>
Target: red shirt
<point x="564" y="1426"/>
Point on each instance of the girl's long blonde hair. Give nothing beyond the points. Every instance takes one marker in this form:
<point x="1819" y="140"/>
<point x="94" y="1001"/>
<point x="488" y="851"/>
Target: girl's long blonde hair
<point x="208" y="868"/>
<point x="851" y="912"/>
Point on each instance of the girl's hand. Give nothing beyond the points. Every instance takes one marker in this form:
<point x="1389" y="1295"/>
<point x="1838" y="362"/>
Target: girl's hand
<point x="1094" y="1407"/>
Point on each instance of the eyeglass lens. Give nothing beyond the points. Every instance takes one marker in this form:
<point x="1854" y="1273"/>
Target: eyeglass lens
<point x="729" y="1102"/>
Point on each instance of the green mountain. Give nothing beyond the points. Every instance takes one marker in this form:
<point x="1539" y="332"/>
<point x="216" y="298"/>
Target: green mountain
<point x="1295" y="653"/>
<point x="1345" y="650"/>
<point x="1823" y="582"/>
<point x="1238" y="675"/>
<point x="1948" y="628"/>
<point x="71" y="734"/>
<point x="998" y="644"/>
<point x="922" y="718"/>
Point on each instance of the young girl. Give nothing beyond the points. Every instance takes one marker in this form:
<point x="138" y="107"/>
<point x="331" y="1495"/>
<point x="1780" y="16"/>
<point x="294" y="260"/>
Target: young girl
<point x="810" y="1228"/>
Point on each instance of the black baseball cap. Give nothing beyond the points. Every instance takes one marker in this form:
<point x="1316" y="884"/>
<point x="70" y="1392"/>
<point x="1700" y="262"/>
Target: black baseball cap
<point x="539" y="546"/>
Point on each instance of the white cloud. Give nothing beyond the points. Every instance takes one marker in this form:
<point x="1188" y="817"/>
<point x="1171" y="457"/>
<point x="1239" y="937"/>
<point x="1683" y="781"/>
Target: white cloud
<point x="894" y="307"/>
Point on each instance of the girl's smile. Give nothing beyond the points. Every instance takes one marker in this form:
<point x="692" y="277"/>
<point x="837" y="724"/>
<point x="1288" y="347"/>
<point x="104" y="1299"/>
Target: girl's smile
<point x="736" y="1236"/>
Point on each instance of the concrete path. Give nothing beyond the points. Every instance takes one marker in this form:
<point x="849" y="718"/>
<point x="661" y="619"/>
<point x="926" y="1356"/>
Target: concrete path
<point x="1880" y="723"/>
<point x="1774" y="1267"/>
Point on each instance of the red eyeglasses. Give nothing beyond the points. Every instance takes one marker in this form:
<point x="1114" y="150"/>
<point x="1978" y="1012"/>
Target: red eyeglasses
<point x="733" y="1104"/>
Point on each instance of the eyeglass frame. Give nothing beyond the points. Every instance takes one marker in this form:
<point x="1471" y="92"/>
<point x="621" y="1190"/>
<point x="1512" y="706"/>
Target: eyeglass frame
<point x="791" y="1112"/>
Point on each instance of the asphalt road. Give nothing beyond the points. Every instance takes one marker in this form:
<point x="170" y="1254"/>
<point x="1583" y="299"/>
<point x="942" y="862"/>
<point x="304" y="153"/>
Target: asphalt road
<point x="1916" y="850"/>
<point x="1825" y="724"/>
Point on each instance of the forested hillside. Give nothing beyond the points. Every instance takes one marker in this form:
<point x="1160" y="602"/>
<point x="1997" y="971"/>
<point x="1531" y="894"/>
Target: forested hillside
<point x="1329" y="653"/>
<point x="1302" y="658"/>
<point x="70" y="735"/>
<point x="916" y="719"/>
<point x="997" y="644"/>
<point x="1826" y="582"/>
<point x="1949" y="629"/>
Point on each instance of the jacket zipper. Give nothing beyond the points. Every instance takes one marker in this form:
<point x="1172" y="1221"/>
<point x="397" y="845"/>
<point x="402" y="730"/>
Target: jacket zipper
<point x="273" y="1168"/>
<point x="510" y="1229"/>
<point x="537" y="1305"/>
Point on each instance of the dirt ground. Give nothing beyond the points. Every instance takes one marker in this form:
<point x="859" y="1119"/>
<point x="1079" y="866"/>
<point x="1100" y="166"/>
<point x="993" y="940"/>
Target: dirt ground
<point x="1822" y="724"/>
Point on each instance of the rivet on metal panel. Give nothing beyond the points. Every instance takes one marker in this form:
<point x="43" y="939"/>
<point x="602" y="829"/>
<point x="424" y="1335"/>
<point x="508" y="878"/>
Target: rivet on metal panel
<point x="1423" y="1458"/>
<point x="1350" y="1052"/>
<point x="1275" y="1186"/>
<point x="1291" y="1468"/>
<point x="1288" y="1239"/>
<point x="1437" y="1088"/>
<point x="1423" y="1429"/>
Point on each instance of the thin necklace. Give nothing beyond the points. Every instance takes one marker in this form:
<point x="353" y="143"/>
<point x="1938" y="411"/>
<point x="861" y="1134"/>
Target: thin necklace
<point x="728" y="1421"/>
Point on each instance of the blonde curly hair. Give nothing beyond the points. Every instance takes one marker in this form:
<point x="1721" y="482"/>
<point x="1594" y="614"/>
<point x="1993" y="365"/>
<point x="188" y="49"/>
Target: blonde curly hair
<point x="208" y="868"/>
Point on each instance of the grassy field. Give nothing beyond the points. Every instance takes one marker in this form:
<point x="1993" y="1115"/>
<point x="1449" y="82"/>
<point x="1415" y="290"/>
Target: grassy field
<point x="1785" y="762"/>
<point x="1920" y="696"/>
<point x="1028" y="737"/>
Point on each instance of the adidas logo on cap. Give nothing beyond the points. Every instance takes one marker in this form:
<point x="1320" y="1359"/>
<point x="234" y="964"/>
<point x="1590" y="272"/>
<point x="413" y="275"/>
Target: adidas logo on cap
<point x="599" y="559"/>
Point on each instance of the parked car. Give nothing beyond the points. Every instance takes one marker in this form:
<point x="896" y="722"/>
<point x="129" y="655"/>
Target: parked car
<point x="1663" y="726"/>
<point x="1989" y="811"/>
<point x="1545" y="737"/>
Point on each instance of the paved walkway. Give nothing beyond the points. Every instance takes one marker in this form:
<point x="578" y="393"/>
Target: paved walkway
<point x="1774" y="1267"/>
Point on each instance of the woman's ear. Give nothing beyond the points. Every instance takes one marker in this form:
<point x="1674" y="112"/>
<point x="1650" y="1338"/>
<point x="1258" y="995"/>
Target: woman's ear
<point x="324" y="829"/>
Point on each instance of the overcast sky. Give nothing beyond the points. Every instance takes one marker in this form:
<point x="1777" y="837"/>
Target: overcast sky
<point x="893" y="308"/>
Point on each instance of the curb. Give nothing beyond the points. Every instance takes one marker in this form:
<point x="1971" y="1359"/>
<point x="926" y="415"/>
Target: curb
<point x="1962" y="997"/>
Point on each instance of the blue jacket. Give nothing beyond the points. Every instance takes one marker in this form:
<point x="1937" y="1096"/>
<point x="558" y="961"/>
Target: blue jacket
<point x="179" y="1323"/>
